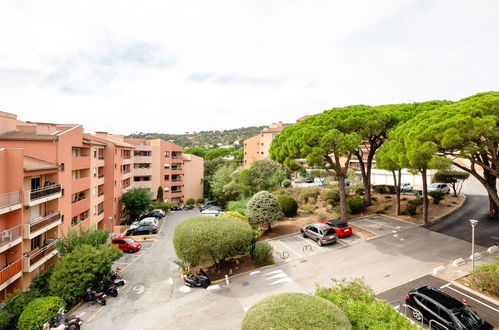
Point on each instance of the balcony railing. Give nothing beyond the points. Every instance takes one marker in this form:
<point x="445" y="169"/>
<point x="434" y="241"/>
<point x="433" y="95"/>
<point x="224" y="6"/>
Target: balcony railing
<point x="9" y="235"/>
<point x="10" y="198"/>
<point x="100" y="211"/>
<point x="35" y="194"/>
<point x="101" y="176"/>
<point x="44" y="251"/>
<point x="9" y="271"/>
<point x="174" y="180"/>
<point x="41" y="222"/>
<point x="126" y="185"/>
<point x="100" y="193"/>
<point x="176" y="191"/>
<point x="176" y="168"/>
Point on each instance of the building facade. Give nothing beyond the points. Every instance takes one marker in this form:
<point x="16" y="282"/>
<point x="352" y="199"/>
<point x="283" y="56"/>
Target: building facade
<point x="257" y="147"/>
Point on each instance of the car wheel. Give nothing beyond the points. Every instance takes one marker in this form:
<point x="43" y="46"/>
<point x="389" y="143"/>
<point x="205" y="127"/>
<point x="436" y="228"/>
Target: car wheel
<point x="319" y="242"/>
<point x="304" y="235"/>
<point x="417" y="315"/>
<point x="130" y="250"/>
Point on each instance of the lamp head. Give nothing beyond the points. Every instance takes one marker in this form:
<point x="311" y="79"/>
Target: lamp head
<point x="473" y="222"/>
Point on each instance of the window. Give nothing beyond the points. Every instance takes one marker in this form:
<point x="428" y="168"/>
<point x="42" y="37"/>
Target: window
<point x="167" y="154"/>
<point x="167" y="165"/>
<point x="35" y="182"/>
<point x="95" y="153"/>
<point x="262" y="143"/>
<point x="167" y="177"/>
<point x="35" y="243"/>
<point x="167" y="188"/>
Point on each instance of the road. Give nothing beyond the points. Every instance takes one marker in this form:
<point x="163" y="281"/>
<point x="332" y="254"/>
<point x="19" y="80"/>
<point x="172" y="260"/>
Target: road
<point x="457" y="224"/>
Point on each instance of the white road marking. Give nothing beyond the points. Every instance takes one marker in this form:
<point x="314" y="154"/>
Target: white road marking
<point x="273" y="272"/>
<point x="283" y="280"/>
<point x="290" y="249"/>
<point x="320" y="248"/>
<point x="478" y="301"/>
<point x="277" y="276"/>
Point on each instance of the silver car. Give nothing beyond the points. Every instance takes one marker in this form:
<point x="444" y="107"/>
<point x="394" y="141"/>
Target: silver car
<point x="319" y="232"/>
<point x="443" y="187"/>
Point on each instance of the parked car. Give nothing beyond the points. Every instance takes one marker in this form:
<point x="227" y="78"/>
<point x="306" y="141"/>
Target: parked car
<point x="405" y="186"/>
<point x="156" y="214"/>
<point x="432" y="304"/>
<point x="212" y="211"/>
<point x="207" y="205"/>
<point x="348" y="183"/>
<point x="319" y="181"/>
<point x="341" y="228"/>
<point x="443" y="187"/>
<point x="320" y="232"/>
<point x="126" y="244"/>
<point x="163" y="213"/>
<point x="188" y="207"/>
<point x="297" y="180"/>
<point x="142" y="230"/>
<point x="146" y="221"/>
<point x="309" y="179"/>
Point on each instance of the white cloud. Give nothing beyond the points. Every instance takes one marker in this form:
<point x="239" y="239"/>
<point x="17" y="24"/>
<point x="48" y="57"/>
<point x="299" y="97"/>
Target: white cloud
<point x="171" y="66"/>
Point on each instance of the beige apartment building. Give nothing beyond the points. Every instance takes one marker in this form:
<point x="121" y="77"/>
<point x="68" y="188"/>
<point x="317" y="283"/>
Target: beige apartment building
<point x="257" y="147"/>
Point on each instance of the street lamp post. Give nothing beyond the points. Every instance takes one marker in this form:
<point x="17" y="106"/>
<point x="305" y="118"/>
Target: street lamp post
<point x="473" y="225"/>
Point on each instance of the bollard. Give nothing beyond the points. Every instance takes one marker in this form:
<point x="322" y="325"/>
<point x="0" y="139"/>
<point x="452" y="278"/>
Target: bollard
<point x="465" y="302"/>
<point x="227" y="279"/>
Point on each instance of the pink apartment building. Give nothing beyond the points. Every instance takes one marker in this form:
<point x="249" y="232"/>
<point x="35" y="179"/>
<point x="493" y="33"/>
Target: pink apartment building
<point x="257" y="147"/>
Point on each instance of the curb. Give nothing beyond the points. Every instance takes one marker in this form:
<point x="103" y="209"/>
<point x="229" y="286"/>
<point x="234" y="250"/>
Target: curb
<point x="75" y="308"/>
<point x="245" y="273"/>
<point x="448" y="213"/>
<point x="481" y="295"/>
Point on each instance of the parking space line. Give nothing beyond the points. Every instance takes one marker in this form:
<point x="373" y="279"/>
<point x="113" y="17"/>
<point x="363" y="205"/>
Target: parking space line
<point x="290" y="249"/>
<point x="478" y="301"/>
<point x="320" y="248"/>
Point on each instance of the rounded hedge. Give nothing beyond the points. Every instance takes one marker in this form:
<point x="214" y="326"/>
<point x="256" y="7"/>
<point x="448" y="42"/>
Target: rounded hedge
<point x="263" y="209"/>
<point x="295" y="311"/>
<point x="208" y="239"/>
<point x="286" y="183"/>
<point x="355" y="205"/>
<point x="40" y="311"/>
<point x="289" y="206"/>
<point x="234" y="215"/>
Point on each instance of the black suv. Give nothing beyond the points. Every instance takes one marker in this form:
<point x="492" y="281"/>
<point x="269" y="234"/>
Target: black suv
<point x="142" y="230"/>
<point x="432" y="304"/>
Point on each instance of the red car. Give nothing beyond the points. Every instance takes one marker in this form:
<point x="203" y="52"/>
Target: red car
<point x="127" y="244"/>
<point x="341" y="228"/>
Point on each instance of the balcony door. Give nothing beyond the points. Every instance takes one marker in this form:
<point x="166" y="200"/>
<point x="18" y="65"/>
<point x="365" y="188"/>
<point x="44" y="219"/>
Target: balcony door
<point x="35" y="212"/>
<point x="35" y="182"/>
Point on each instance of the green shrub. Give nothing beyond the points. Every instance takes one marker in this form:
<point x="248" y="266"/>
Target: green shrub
<point x="190" y="201"/>
<point x="207" y="239"/>
<point x="288" y="205"/>
<point x="41" y="281"/>
<point x="294" y="311"/>
<point x="359" y="191"/>
<point x="200" y="201"/>
<point x="486" y="277"/>
<point x="263" y="254"/>
<point x="81" y="268"/>
<point x="359" y="302"/>
<point x="331" y="196"/>
<point x="238" y="206"/>
<point x="263" y="209"/>
<point x="384" y="189"/>
<point x="79" y="236"/>
<point x="309" y="208"/>
<point x="234" y="215"/>
<point x="416" y="201"/>
<point x="308" y="193"/>
<point x="437" y="196"/>
<point x="286" y="183"/>
<point x="5" y="320"/>
<point x="14" y="306"/>
<point x="161" y="205"/>
<point x="411" y="209"/>
<point x="355" y="205"/>
<point x="40" y="311"/>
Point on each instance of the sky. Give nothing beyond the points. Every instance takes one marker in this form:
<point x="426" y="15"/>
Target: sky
<point x="187" y="66"/>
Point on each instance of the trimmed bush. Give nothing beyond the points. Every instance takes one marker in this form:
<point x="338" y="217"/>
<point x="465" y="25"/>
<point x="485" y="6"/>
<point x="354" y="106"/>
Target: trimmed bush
<point x="331" y="196"/>
<point x="263" y="254"/>
<point x="80" y="236"/>
<point x="190" y="201"/>
<point x="288" y="205"/>
<point x="83" y="267"/>
<point x="359" y="302"/>
<point x="41" y="281"/>
<point x="294" y="311"/>
<point x="15" y="306"/>
<point x="384" y="189"/>
<point x="286" y="183"/>
<point x="309" y="208"/>
<point x="355" y="205"/>
<point x="309" y="192"/>
<point x="263" y="209"/>
<point x="486" y="277"/>
<point x="40" y="311"/>
<point x="411" y="209"/>
<point x="203" y="240"/>
<point x="437" y="196"/>
<point x="238" y="206"/>
<point x="234" y="215"/>
<point x="359" y="191"/>
<point x="200" y="201"/>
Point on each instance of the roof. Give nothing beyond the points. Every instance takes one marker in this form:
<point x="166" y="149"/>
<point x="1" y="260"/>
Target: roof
<point x="35" y="164"/>
<point x="94" y="142"/>
<point x="440" y="297"/>
<point x="29" y="136"/>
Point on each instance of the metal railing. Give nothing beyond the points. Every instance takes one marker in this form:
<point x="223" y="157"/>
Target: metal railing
<point x="10" y="198"/>
<point x="176" y="168"/>
<point x="9" y="271"/>
<point x="100" y="211"/>
<point x="45" y="191"/>
<point x="9" y="235"/>
<point x="101" y="176"/>
<point x="176" y="191"/>
<point x="41" y="222"/>
<point x="44" y="251"/>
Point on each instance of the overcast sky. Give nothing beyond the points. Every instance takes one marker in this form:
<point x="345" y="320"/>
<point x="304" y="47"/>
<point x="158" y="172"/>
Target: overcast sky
<point x="184" y="66"/>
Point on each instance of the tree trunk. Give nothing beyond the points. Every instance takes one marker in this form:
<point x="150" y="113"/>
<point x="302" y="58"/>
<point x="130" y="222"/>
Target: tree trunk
<point x="397" y="190"/>
<point x="365" y="172"/>
<point x="269" y="227"/>
<point x="343" y="197"/>
<point x="425" y="198"/>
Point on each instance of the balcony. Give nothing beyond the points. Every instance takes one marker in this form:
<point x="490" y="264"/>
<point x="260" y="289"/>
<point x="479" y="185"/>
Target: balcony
<point x="80" y="184"/>
<point x="100" y="215"/>
<point x="42" y="195"/>
<point x="10" y="237"/>
<point x="38" y="257"/>
<point x="10" y="273"/>
<point x="142" y="159"/>
<point x="80" y="162"/>
<point x="100" y="197"/>
<point x="40" y="225"/>
<point x="144" y="171"/>
<point x="80" y="206"/>
<point x="176" y="168"/>
<point x="100" y="179"/>
<point x="10" y="201"/>
<point x="100" y="161"/>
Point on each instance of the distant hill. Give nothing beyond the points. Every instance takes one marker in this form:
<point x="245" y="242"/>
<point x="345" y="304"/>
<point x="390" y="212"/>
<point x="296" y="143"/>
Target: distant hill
<point x="206" y="139"/>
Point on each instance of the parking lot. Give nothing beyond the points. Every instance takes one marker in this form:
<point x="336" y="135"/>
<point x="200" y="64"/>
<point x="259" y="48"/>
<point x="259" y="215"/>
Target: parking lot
<point x="295" y="247"/>
<point x="381" y="225"/>
<point x="486" y="309"/>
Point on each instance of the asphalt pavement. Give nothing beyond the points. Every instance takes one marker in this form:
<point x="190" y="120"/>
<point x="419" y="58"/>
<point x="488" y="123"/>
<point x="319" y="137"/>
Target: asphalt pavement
<point x="457" y="224"/>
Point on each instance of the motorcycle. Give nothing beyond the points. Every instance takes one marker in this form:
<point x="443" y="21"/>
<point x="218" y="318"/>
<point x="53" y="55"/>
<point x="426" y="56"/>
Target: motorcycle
<point x="199" y="280"/>
<point x="71" y="322"/>
<point x="94" y="296"/>
<point x="115" y="277"/>
<point x="108" y="288"/>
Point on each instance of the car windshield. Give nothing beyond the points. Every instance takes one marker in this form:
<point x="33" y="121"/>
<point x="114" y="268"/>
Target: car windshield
<point x="129" y="240"/>
<point x="468" y="318"/>
<point x="329" y="231"/>
<point x="434" y="185"/>
<point x="338" y="223"/>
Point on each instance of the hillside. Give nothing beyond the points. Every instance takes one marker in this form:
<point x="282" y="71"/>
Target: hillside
<point x="207" y="139"/>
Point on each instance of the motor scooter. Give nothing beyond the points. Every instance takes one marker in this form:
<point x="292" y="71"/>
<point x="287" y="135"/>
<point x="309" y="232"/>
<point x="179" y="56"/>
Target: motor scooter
<point x="199" y="280"/>
<point x="71" y="322"/>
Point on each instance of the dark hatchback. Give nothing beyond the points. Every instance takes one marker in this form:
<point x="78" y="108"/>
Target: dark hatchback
<point x="432" y="304"/>
<point x="142" y="230"/>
